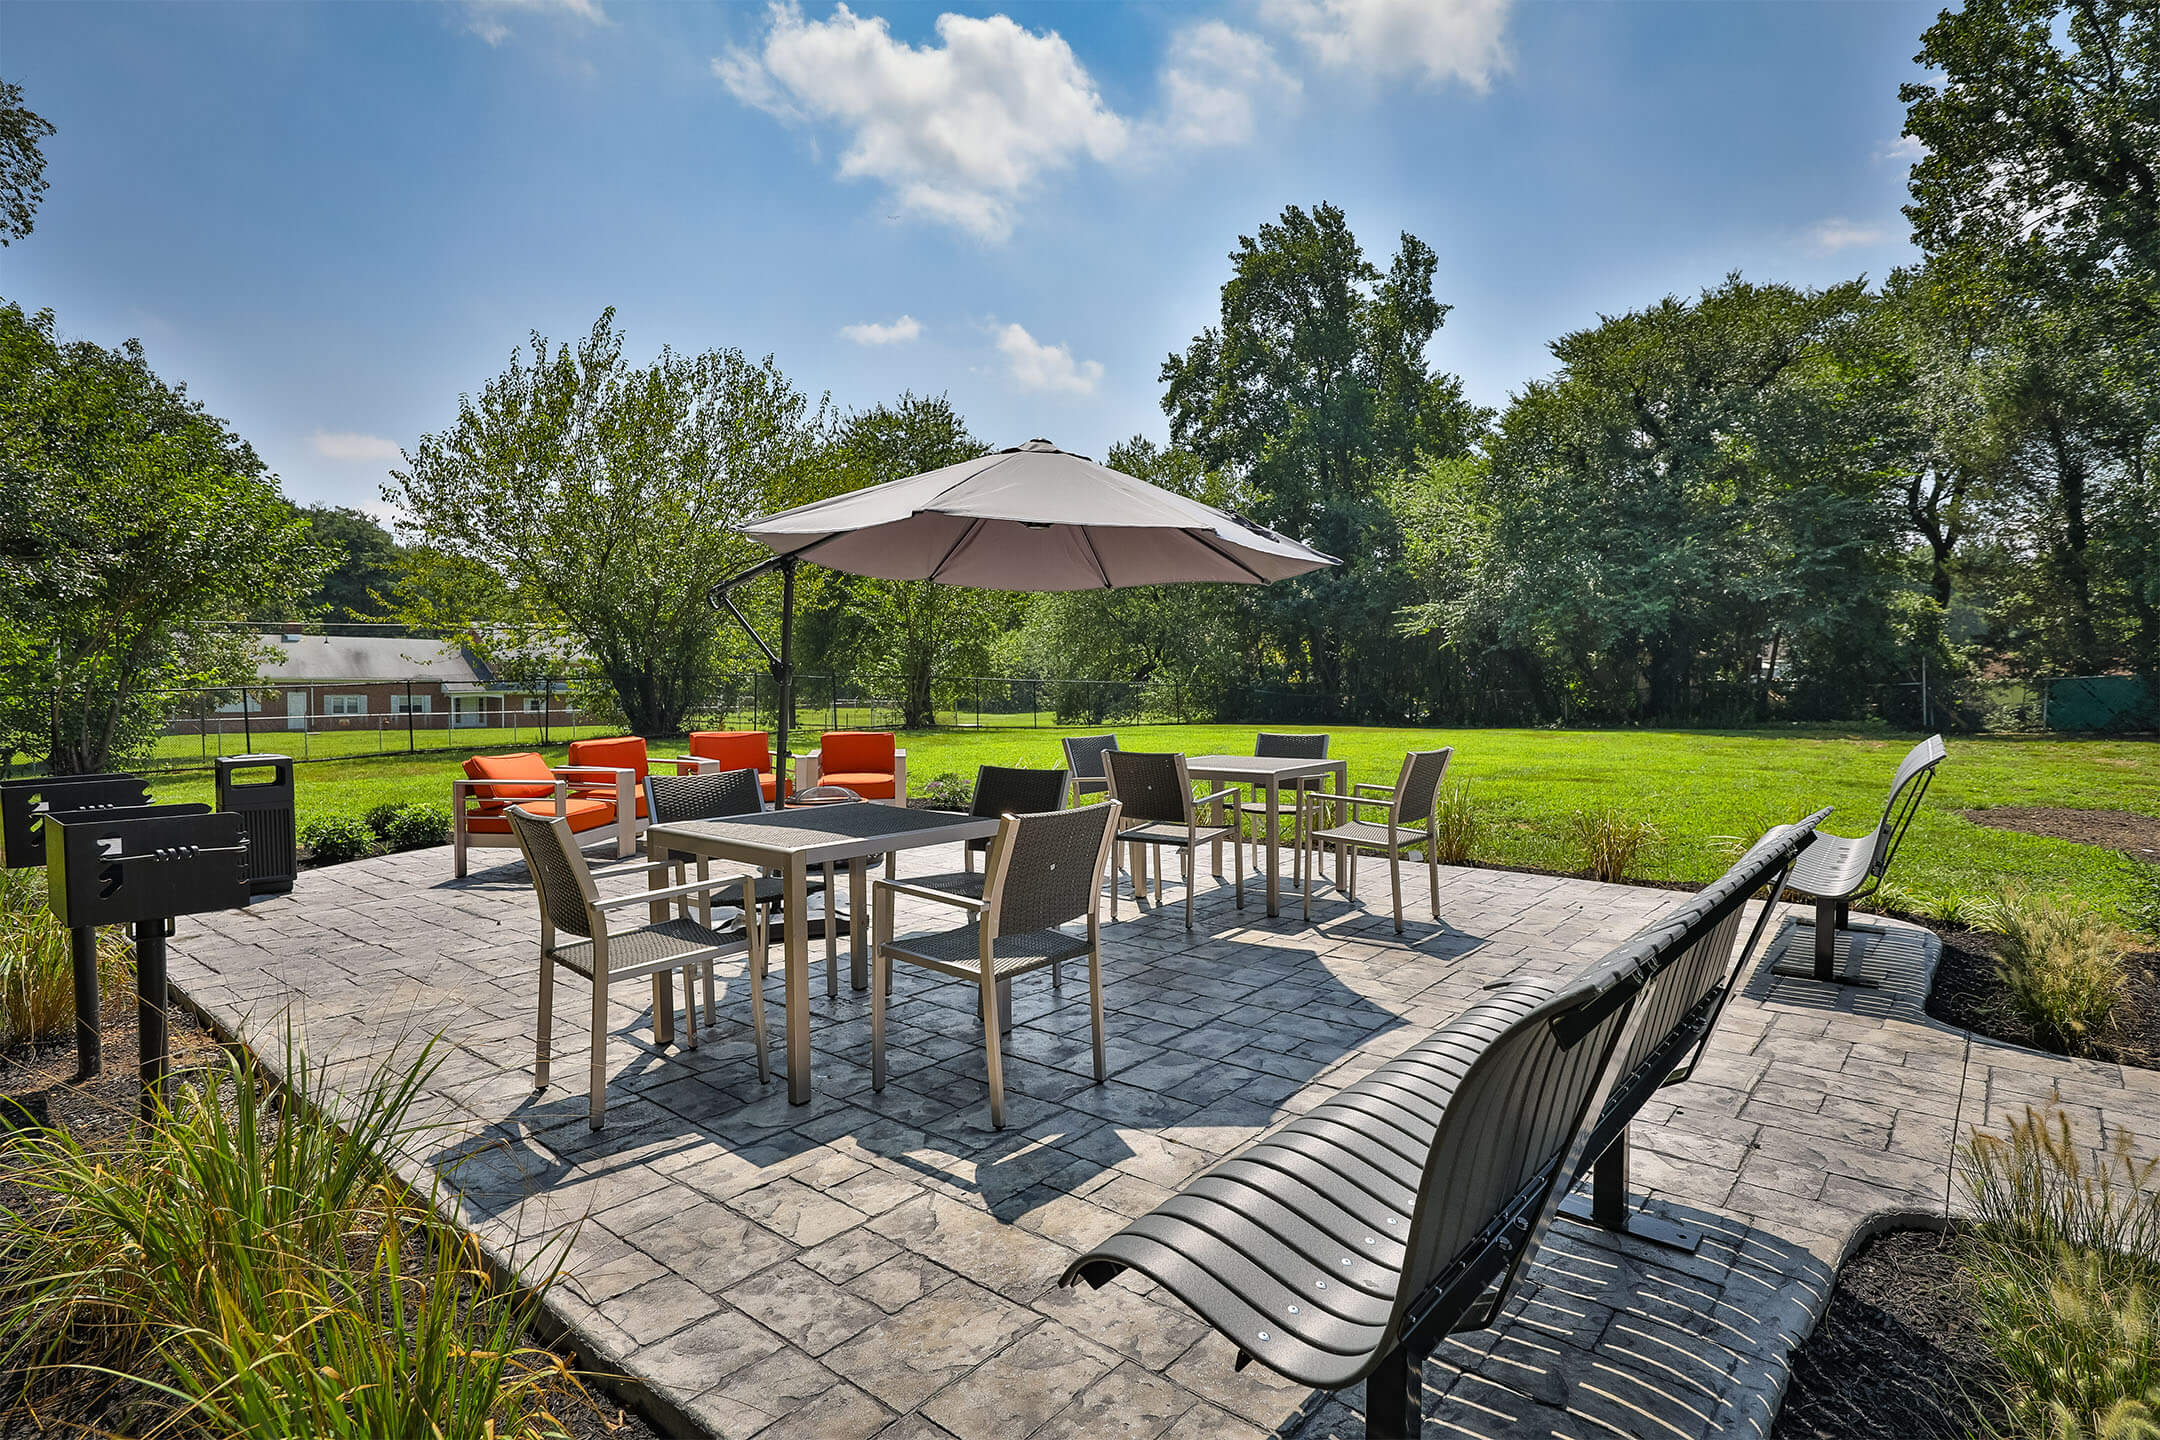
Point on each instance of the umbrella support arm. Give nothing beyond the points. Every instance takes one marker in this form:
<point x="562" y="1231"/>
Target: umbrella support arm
<point x="782" y="664"/>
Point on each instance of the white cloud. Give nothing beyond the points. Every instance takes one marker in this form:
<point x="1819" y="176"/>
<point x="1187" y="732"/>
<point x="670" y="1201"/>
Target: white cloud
<point x="957" y="131"/>
<point x="1212" y="78"/>
<point x="1904" y="149"/>
<point x="1830" y="236"/>
<point x="1439" y="39"/>
<point x="484" y="18"/>
<point x="899" y="332"/>
<point x="351" y="445"/>
<point x="1036" y="366"/>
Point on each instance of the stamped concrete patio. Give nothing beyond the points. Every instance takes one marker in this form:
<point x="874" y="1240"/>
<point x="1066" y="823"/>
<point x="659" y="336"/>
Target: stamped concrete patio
<point x="886" y="1264"/>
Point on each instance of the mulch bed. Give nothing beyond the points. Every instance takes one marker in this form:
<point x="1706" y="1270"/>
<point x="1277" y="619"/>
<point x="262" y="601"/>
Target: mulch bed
<point x="2125" y="830"/>
<point x="37" y="1087"/>
<point x="1967" y="994"/>
<point x="1898" y="1355"/>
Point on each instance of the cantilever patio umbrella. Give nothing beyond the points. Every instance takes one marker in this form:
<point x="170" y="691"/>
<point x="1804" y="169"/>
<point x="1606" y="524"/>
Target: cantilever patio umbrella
<point x="1032" y="517"/>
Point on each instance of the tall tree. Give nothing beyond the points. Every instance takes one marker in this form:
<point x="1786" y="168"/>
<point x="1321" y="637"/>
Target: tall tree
<point x="590" y="501"/>
<point x="1312" y="395"/>
<point x="22" y="163"/>
<point x="363" y="578"/>
<point x="136" y="528"/>
<point x="913" y="631"/>
<point x="1698" y="494"/>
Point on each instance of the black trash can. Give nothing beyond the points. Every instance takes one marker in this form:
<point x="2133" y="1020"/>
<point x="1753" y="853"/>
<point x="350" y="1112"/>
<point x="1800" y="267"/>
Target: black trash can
<point x="259" y="788"/>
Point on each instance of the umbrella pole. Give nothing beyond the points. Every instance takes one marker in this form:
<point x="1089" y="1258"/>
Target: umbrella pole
<point x="784" y="678"/>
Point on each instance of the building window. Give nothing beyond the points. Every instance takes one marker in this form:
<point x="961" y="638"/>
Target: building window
<point x="344" y="704"/>
<point x="416" y="704"/>
<point x="534" y="704"/>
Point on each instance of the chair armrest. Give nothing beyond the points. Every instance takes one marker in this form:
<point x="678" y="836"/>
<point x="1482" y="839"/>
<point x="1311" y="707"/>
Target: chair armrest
<point x="592" y="770"/>
<point x="672" y="892"/>
<point x="924" y="892"/>
<point x="1353" y="802"/>
<point x="467" y="788"/>
<point x="1364" y="785"/>
<point x="689" y="764"/>
<point x="1230" y="794"/>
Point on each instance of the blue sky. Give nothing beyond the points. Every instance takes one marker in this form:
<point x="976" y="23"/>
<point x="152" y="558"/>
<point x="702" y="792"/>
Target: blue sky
<point x="331" y="219"/>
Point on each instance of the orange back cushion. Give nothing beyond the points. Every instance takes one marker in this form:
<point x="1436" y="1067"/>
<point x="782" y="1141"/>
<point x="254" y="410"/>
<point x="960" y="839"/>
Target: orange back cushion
<point x="529" y="766"/>
<point x="622" y="752"/>
<point x="734" y="749"/>
<point x="858" y="751"/>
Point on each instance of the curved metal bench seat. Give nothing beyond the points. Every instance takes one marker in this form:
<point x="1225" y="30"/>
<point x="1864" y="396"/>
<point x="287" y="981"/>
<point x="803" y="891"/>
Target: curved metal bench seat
<point x="1838" y="869"/>
<point x="1345" y="1244"/>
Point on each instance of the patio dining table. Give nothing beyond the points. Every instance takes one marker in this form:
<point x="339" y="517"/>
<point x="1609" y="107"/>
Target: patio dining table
<point x="1268" y="774"/>
<point x="793" y="841"/>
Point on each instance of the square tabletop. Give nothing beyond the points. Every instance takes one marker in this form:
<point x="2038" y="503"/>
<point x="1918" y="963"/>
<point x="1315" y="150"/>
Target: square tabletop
<point x="1258" y="769"/>
<point x="820" y="833"/>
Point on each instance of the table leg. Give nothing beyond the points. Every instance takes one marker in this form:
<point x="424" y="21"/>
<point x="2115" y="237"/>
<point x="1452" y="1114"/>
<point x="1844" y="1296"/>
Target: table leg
<point x="796" y="960"/>
<point x="663" y="985"/>
<point x="832" y="932"/>
<point x="1342" y="852"/>
<point x="1274" y="845"/>
<point x="1218" y="814"/>
<point x="858" y="874"/>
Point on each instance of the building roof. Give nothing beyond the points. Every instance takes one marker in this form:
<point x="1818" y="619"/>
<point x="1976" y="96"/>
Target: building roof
<point x="368" y="657"/>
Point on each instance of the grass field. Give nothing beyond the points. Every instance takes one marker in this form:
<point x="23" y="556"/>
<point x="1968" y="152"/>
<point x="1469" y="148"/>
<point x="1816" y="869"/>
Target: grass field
<point x="1706" y="792"/>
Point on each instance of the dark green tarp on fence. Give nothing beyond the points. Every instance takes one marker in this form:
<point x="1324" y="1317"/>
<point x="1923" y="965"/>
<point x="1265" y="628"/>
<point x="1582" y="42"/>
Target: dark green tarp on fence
<point x="2101" y="702"/>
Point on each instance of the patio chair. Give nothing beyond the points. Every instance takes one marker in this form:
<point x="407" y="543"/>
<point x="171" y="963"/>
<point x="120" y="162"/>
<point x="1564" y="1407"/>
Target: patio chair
<point x="735" y="750"/>
<point x="864" y="761"/>
<point x="599" y="804"/>
<point x="1161" y="814"/>
<point x="1004" y="790"/>
<point x="1043" y="872"/>
<point x="571" y="905"/>
<point x="1285" y="747"/>
<point x="1407" y="802"/>
<point x="617" y="752"/>
<point x="1837" y="870"/>
<point x="1084" y="758"/>
<point x="1348" y="1243"/>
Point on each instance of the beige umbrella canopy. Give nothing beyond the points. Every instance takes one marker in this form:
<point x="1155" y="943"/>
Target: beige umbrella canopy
<point x="1032" y="517"/>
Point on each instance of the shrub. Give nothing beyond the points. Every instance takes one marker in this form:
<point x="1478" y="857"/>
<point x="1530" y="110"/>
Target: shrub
<point x="1456" y="821"/>
<point x="409" y="826"/>
<point x="949" y="792"/>
<point x="2061" y="964"/>
<point x="378" y="817"/>
<point x="37" y="967"/>
<point x="254" y="1263"/>
<point x="2142" y="910"/>
<point x="1608" y="841"/>
<point x="335" y="839"/>
<point x="2065" y="1273"/>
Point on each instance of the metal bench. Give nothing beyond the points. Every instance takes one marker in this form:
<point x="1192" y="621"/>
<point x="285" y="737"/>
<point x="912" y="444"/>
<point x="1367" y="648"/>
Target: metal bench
<point x="1346" y="1244"/>
<point x="1838" y="869"/>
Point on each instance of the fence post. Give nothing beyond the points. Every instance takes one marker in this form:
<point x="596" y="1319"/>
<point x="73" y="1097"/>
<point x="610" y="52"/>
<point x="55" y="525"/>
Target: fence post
<point x="832" y="698"/>
<point x="411" y="743"/>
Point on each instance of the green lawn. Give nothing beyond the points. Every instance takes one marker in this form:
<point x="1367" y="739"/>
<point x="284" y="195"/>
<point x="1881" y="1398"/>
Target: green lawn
<point x="1706" y="792"/>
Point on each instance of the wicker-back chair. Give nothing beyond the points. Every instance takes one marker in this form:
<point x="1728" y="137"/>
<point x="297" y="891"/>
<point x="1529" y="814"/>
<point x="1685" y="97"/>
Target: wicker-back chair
<point x="1406" y="804"/>
<point x="571" y="906"/>
<point x="1274" y="746"/>
<point x="1160" y="813"/>
<point x="1044" y="871"/>
<point x="1004" y="790"/>
<point x="1084" y="758"/>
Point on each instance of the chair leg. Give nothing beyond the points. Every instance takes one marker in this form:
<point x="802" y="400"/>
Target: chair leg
<point x="1394" y="871"/>
<point x="757" y="1013"/>
<point x="689" y="1003"/>
<point x="1095" y="1007"/>
<point x="1057" y="975"/>
<point x="1308" y="894"/>
<point x="1188" y="889"/>
<point x="596" y="1079"/>
<point x="712" y="998"/>
<point x="1237" y="853"/>
<point x="1432" y="867"/>
<point x="1157" y="857"/>
<point x="1114" y="868"/>
<point x="832" y="934"/>
<point x="547" y="1023"/>
<point x="880" y="973"/>
<point x="993" y="1054"/>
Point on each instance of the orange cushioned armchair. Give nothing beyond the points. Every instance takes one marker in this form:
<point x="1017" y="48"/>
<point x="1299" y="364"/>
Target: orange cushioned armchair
<point x="864" y="761"/>
<point x="734" y="750"/>
<point x="589" y="799"/>
<point x="594" y="761"/>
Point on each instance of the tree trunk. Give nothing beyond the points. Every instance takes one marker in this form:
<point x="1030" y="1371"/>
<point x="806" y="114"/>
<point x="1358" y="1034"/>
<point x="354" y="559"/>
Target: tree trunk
<point x="2070" y="556"/>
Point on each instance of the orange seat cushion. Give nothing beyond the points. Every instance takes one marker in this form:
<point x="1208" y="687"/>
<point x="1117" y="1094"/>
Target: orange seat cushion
<point x="857" y="752"/>
<point x="740" y="750"/>
<point x="582" y="815"/>
<point x="865" y="783"/>
<point x="529" y="766"/>
<point x="620" y="752"/>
